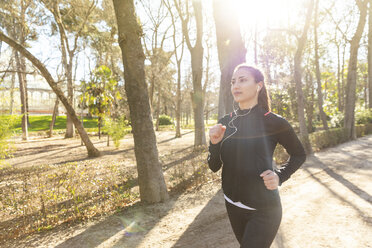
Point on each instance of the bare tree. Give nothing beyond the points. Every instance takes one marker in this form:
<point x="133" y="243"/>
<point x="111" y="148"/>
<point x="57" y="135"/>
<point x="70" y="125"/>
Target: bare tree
<point x="92" y="151"/>
<point x="317" y="68"/>
<point x="349" y="121"/>
<point x="69" y="50"/>
<point x="231" y="50"/>
<point x="297" y="77"/>
<point x="196" y="53"/>
<point x="178" y="62"/>
<point x="150" y="175"/>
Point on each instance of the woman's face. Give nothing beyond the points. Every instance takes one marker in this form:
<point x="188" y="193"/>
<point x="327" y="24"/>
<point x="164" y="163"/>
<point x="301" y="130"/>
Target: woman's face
<point x="243" y="86"/>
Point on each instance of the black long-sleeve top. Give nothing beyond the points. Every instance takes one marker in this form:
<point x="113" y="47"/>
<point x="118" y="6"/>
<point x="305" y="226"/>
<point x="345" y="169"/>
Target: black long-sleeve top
<point x="249" y="152"/>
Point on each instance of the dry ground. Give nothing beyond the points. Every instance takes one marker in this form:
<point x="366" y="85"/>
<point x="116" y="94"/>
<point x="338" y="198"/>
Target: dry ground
<point x="326" y="203"/>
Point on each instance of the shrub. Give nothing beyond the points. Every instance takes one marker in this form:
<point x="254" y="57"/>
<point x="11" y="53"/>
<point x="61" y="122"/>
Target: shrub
<point x="6" y="130"/>
<point x="326" y="138"/>
<point x="165" y="120"/>
<point x="363" y="116"/>
<point x="116" y="129"/>
<point x="337" y="119"/>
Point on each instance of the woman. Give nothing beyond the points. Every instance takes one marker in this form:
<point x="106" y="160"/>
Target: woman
<point x="244" y="142"/>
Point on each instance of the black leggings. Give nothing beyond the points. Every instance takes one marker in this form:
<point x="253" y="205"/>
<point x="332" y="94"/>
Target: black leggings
<point x="254" y="228"/>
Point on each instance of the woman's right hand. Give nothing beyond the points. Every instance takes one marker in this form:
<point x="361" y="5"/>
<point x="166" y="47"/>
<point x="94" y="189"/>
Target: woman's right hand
<point x="216" y="133"/>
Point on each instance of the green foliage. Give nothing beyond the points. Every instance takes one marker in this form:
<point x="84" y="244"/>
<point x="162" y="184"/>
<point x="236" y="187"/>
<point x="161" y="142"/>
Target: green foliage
<point x="335" y="136"/>
<point x="165" y="120"/>
<point x="363" y="116"/>
<point x="41" y="122"/>
<point x="337" y="119"/>
<point x="100" y="92"/>
<point x="6" y="130"/>
<point x="327" y="138"/>
<point x="214" y="117"/>
<point x="280" y="102"/>
<point x="116" y="129"/>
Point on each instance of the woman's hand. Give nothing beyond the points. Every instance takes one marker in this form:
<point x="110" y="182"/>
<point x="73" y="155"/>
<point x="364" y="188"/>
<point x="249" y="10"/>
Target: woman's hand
<point x="271" y="179"/>
<point x="216" y="133"/>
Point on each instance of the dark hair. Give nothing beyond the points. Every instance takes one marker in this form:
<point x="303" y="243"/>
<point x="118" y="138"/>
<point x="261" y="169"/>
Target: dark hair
<point x="263" y="96"/>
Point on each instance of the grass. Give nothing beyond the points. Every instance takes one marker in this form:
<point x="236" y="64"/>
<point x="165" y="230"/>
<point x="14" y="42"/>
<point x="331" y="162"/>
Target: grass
<point x="41" y="122"/>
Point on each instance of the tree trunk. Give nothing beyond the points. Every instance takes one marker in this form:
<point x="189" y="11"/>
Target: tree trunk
<point x="365" y="89"/>
<point x="338" y="78"/>
<point x="343" y="80"/>
<point x="310" y="102"/>
<point x="298" y="81"/>
<point x="178" y="109"/>
<point x="349" y="121"/>
<point x="54" y="116"/>
<point x="12" y="93"/>
<point x="92" y="151"/>
<point x="317" y="69"/>
<point x="70" y="96"/>
<point x="197" y="95"/>
<point x="196" y="53"/>
<point x="23" y="92"/>
<point x="231" y="51"/>
<point x="23" y="69"/>
<point x="99" y="127"/>
<point x="150" y="175"/>
<point x="158" y="109"/>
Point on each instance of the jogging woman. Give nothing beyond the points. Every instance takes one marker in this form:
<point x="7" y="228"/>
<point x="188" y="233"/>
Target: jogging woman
<point x="243" y="142"/>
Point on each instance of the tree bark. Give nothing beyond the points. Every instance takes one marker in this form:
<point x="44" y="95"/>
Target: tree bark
<point x="342" y="88"/>
<point x="158" y="109"/>
<point x="70" y="96"/>
<point x="297" y="77"/>
<point x="54" y="116"/>
<point x="150" y="176"/>
<point x="317" y="69"/>
<point x="349" y="121"/>
<point x="92" y="151"/>
<point x="178" y="109"/>
<point x="309" y="102"/>
<point x="196" y="53"/>
<point x="23" y="92"/>
<point x="12" y="92"/>
<point x="231" y="51"/>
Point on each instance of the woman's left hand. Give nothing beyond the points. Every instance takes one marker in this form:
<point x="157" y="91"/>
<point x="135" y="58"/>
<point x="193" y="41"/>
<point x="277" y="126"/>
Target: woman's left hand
<point x="271" y="179"/>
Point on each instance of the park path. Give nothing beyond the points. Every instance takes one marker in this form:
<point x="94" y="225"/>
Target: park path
<point x="326" y="203"/>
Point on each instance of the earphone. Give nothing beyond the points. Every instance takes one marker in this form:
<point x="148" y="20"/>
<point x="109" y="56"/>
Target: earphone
<point x="233" y="126"/>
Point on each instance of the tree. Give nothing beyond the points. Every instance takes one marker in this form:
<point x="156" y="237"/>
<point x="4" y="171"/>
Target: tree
<point x="100" y="93"/>
<point x="349" y="121"/>
<point x="178" y="62"/>
<point x="297" y="77"/>
<point x="150" y="175"/>
<point x="73" y="18"/>
<point x="317" y="69"/>
<point x="231" y="50"/>
<point x="92" y="151"/>
<point x="13" y="18"/>
<point x="196" y="52"/>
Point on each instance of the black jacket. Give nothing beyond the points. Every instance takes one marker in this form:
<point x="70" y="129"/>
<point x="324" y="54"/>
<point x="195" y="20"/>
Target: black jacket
<point x="249" y="152"/>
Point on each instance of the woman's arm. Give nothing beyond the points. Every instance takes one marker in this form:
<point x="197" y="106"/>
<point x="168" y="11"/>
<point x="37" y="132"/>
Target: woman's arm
<point x="289" y="140"/>
<point x="214" y="161"/>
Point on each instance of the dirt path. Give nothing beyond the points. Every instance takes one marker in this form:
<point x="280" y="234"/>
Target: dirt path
<point x="326" y="203"/>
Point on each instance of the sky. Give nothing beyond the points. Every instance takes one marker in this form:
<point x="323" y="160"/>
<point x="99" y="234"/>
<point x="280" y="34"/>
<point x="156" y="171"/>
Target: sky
<point x="263" y="14"/>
